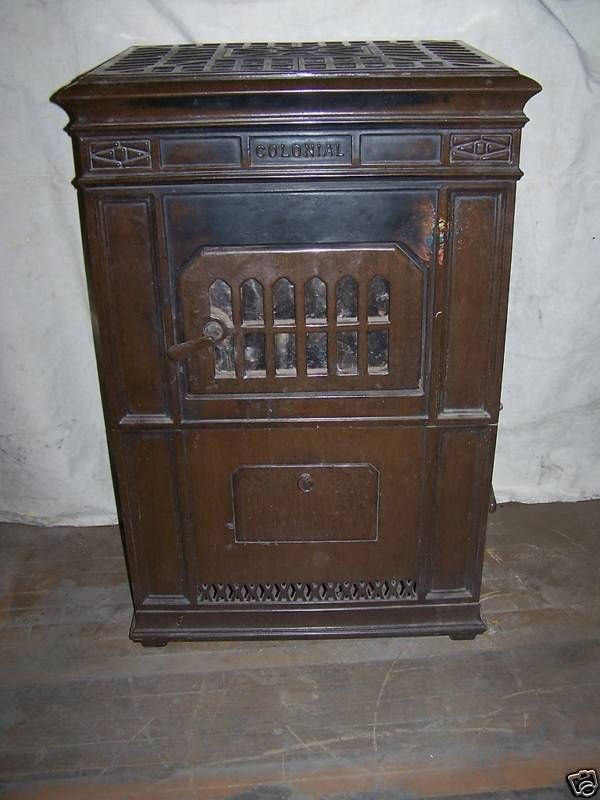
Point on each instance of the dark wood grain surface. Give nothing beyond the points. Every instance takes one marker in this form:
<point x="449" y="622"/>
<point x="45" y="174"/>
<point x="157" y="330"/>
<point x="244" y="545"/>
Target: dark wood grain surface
<point x="85" y="713"/>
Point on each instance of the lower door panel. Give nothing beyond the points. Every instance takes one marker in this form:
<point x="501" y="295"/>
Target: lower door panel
<point x="293" y="508"/>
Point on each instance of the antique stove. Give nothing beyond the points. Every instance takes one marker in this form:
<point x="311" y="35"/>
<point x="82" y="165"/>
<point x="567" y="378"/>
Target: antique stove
<point x="298" y="259"/>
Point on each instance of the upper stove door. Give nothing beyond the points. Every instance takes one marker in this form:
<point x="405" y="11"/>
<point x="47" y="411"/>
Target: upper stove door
<point x="302" y="320"/>
<point x="301" y="304"/>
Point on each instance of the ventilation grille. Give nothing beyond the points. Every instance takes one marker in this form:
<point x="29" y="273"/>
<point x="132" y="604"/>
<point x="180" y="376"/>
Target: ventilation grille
<point x="315" y="592"/>
<point x="314" y="58"/>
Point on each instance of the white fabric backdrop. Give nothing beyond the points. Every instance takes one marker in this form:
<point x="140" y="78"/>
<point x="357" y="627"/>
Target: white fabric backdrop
<point x="54" y="466"/>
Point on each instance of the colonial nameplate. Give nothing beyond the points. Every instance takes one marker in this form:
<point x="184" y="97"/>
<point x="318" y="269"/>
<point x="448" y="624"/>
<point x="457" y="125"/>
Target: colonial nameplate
<point x="300" y="150"/>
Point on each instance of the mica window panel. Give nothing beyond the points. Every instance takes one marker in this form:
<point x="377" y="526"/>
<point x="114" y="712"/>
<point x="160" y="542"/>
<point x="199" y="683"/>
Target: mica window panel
<point x="347" y="352"/>
<point x="285" y="355"/>
<point x="316" y="353"/>
<point x="284" y="302"/>
<point x="219" y="295"/>
<point x="224" y="354"/>
<point x="346" y="300"/>
<point x="315" y="301"/>
<point x="378" y="309"/>
<point x="255" y="365"/>
<point x="252" y="302"/>
<point x="378" y="352"/>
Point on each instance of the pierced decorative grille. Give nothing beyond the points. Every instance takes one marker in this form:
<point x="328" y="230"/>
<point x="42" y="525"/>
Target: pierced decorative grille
<point x="314" y="592"/>
<point x="281" y="58"/>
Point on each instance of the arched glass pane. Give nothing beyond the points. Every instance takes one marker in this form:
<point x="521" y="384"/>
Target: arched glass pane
<point x="346" y="300"/>
<point x="315" y="300"/>
<point x="379" y="299"/>
<point x="284" y="312"/>
<point x="219" y="295"/>
<point x="252" y="302"/>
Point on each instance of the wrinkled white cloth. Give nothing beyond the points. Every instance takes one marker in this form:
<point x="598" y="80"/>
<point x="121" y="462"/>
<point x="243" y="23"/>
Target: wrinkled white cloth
<point x="53" y="460"/>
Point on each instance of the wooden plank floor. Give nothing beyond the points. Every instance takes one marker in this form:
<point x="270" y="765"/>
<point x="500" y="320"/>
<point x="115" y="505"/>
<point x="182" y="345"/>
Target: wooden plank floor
<point x="85" y="713"/>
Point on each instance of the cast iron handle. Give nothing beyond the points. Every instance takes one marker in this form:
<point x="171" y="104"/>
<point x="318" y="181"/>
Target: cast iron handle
<point x="213" y="331"/>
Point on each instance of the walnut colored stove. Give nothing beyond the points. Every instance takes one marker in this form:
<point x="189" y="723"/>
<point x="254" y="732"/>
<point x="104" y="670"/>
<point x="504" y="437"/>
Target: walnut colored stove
<point x="298" y="259"/>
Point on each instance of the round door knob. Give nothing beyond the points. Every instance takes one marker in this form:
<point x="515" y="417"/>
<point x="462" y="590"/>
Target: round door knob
<point x="214" y="330"/>
<point x="306" y="482"/>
